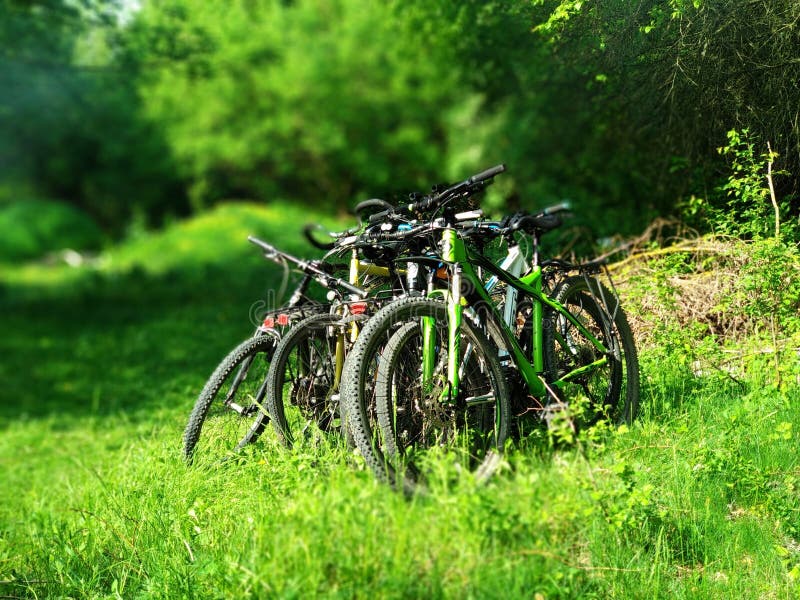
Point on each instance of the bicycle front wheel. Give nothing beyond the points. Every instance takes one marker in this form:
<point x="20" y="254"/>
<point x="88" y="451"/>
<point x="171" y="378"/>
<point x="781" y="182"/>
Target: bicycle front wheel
<point x="418" y="414"/>
<point x="230" y="413"/>
<point x="400" y="420"/>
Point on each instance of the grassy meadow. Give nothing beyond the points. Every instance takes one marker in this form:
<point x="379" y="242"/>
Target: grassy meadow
<point x="101" y="365"/>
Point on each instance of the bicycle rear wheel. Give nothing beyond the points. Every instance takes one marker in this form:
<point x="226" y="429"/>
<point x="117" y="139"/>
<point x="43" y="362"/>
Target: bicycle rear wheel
<point x="609" y="391"/>
<point x="301" y="383"/>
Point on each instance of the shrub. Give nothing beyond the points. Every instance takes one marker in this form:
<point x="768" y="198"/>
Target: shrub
<point x="32" y="228"/>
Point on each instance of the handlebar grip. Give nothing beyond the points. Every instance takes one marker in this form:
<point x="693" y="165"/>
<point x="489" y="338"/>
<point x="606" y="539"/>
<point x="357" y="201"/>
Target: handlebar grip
<point x="487" y="174"/>
<point x="307" y="229"/>
<point x="564" y="206"/>
<point x="380" y="216"/>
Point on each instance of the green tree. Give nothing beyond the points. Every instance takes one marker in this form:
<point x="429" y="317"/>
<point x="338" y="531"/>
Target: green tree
<point x="672" y="77"/>
<point x="299" y="99"/>
<point x="69" y="115"/>
<point x="326" y="102"/>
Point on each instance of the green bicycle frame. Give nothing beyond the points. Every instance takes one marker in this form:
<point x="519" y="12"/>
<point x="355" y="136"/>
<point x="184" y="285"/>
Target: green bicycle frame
<point x="461" y="260"/>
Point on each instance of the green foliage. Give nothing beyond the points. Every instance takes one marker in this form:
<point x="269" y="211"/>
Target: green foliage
<point x="69" y="122"/>
<point x="30" y="229"/>
<point x="769" y="287"/>
<point x="730" y="289"/>
<point x="743" y="205"/>
<point x="558" y="19"/>
<point x="294" y="100"/>
<point x="323" y="105"/>
<point x="618" y="106"/>
<point x="670" y="79"/>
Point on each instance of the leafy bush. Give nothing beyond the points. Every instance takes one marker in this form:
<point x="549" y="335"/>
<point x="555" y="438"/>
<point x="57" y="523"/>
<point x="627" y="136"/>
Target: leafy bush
<point x="30" y="229"/>
<point x="744" y="203"/>
<point x="669" y="78"/>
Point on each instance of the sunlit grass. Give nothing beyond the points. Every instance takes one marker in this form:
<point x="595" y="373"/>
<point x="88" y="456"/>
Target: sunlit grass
<point x="697" y="499"/>
<point x="217" y="238"/>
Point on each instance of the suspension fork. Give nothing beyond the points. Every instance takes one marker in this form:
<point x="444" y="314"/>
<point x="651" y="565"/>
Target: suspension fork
<point x="453" y="252"/>
<point x="428" y="350"/>
<point x="339" y="354"/>
<point x="454" y="315"/>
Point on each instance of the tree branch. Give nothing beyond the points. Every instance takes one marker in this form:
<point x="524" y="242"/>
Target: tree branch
<point x="775" y="206"/>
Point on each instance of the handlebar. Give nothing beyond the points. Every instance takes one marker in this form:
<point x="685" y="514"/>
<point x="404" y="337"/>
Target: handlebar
<point x="268" y="249"/>
<point x="467" y="221"/>
<point x="310" y="267"/>
<point x="470" y="223"/>
<point x="545" y="220"/>
<point x="469" y="185"/>
<point x="380" y="216"/>
<point x="401" y="235"/>
<point x="372" y="203"/>
<point x="340" y="238"/>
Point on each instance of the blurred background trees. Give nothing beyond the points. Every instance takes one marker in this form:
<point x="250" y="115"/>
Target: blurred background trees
<point x="70" y="117"/>
<point x="126" y="112"/>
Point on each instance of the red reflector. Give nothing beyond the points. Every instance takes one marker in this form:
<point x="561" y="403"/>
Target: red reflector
<point x="283" y="319"/>
<point x="269" y="322"/>
<point x="358" y="308"/>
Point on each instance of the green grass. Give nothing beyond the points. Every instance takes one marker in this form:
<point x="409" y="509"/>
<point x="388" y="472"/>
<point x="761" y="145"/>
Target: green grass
<point x="101" y="366"/>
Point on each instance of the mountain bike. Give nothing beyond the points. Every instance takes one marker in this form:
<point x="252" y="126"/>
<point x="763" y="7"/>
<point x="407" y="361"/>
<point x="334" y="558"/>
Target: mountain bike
<point x="437" y="372"/>
<point x="302" y="383"/>
<point x="229" y="413"/>
<point x="304" y="378"/>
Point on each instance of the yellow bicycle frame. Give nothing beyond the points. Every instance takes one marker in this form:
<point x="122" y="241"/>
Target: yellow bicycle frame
<point x="358" y="269"/>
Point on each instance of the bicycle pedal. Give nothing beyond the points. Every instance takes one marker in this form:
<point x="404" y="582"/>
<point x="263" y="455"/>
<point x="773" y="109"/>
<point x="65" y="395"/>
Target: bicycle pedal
<point x="475" y="400"/>
<point x="553" y="412"/>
